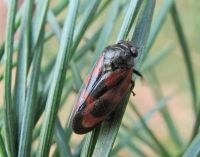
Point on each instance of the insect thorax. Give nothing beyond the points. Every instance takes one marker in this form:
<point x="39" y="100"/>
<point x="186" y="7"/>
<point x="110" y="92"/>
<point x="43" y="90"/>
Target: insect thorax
<point x="116" y="57"/>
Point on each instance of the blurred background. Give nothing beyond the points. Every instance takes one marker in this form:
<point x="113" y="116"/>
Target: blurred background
<point x="164" y="98"/>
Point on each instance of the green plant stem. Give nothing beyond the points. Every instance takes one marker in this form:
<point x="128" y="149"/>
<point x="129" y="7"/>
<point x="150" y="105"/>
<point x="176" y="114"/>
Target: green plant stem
<point x="10" y="125"/>
<point x="30" y="103"/>
<point x="61" y="140"/>
<point x="193" y="150"/>
<point x="157" y="25"/>
<point x="22" y="64"/>
<point x="55" y="91"/>
<point x="142" y="30"/>
<point x="186" y="54"/>
<point x="29" y="110"/>
<point x="129" y="19"/>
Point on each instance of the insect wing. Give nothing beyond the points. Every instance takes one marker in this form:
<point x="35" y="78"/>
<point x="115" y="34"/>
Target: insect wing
<point x="104" y="95"/>
<point x="88" y="85"/>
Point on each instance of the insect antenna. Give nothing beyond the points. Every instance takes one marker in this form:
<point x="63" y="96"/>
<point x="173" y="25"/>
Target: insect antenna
<point x="137" y="73"/>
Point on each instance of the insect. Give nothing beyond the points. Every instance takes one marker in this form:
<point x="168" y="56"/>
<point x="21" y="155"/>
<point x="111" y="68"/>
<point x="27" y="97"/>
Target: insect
<point x="105" y="86"/>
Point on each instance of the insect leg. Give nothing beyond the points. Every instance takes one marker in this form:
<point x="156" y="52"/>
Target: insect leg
<point x="137" y="73"/>
<point x="132" y="86"/>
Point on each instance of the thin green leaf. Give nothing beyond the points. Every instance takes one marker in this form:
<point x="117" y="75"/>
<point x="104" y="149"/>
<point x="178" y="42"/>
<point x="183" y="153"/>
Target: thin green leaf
<point x="156" y="26"/>
<point x="66" y="130"/>
<point x="194" y="148"/>
<point x="54" y="24"/>
<point x="106" y="30"/>
<point x="42" y="98"/>
<point x="102" y="8"/>
<point x="2" y="50"/>
<point x="17" y="23"/>
<point x="60" y="6"/>
<point x="129" y="19"/>
<point x="87" y="46"/>
<point x="22" y="64"/>
<point x="2" y="75"/>
<point x="196" y="126"/>
<point x="76" y="74"/>
<point x="136" y="150"/>
<point x="89" y="143"/>
<point x="29" y="110"/>
<point x="61" y="140"/>
<point x="186" y="54"/>
<point x="30" y="107"/>
<point x="38" y="21"/>
<point x="126" y="141"/>
<point x="62" y="61"/>
<point x="10" y="126"/>
<point x="86" y="20"/>
<point x="141" y="33"/>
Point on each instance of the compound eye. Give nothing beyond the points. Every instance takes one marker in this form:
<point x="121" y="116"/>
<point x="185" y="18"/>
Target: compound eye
<point x="134" y="51"/>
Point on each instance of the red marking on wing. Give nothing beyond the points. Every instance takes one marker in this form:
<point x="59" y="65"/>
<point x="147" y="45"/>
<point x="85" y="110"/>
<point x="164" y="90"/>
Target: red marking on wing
<point x="113" y="95"/>
<point x="89" y="120"/>
<point x="115" y="77"/>
<point x="110" y="79"/>
<point x="122" y="87"/>
<point x="117" y="89"/>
